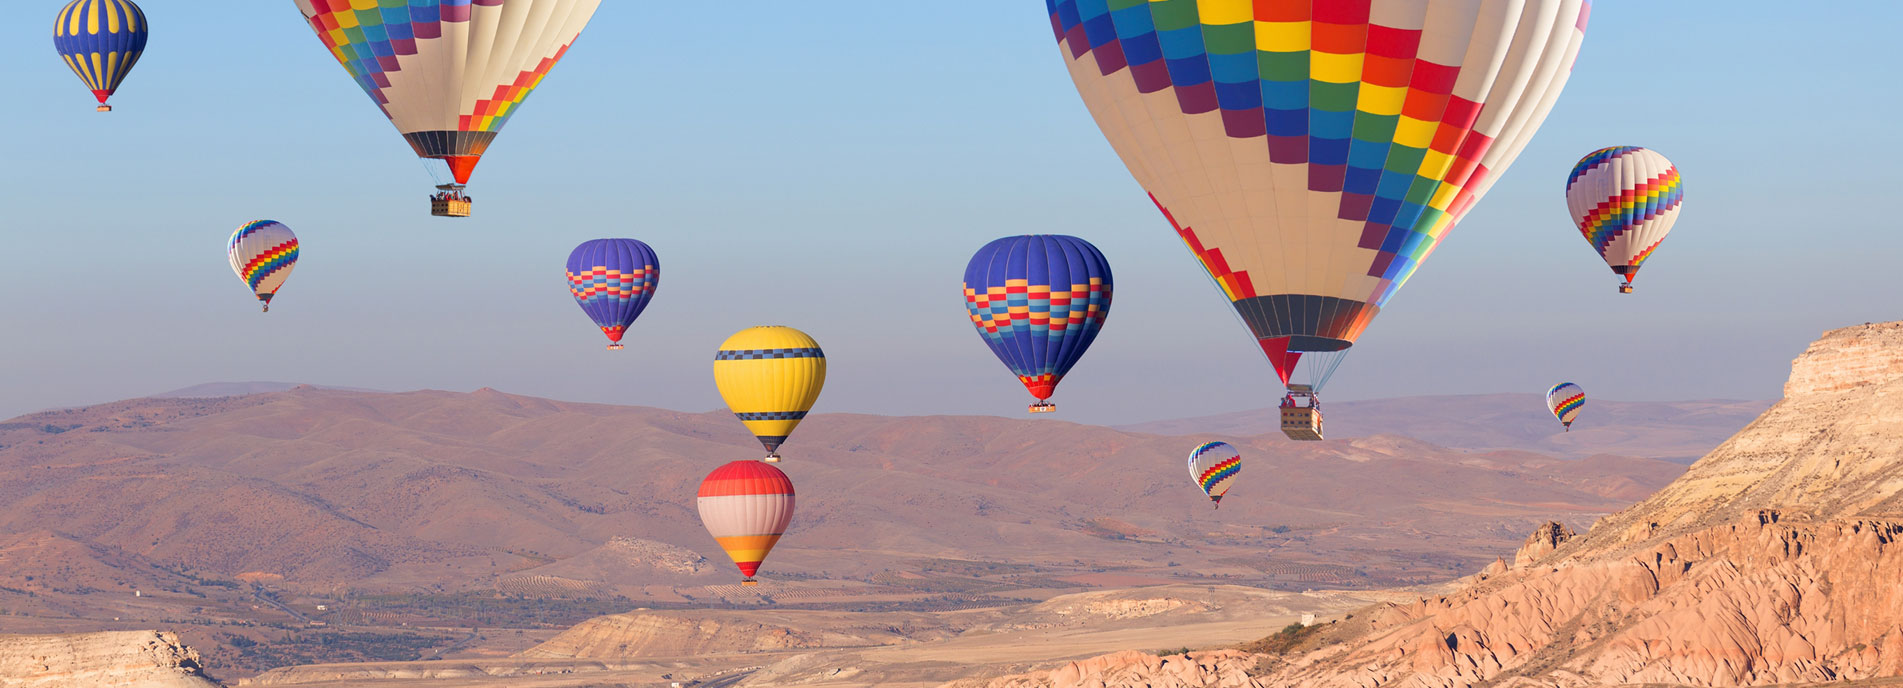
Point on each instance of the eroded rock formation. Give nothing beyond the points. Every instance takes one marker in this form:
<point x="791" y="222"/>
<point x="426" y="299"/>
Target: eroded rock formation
<point x="122" y="659"/>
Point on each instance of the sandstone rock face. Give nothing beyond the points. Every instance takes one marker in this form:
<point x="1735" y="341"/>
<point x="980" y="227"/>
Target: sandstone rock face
<point x="644" y="634"/>
<point x="1778" y="558"/>
<point x="1218" y="669"/>
<point x="116" y="659"/>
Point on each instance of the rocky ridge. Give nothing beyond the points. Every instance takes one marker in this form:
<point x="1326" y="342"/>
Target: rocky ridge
<point x="1775" y="559"/>
<point x="141" y="659"/>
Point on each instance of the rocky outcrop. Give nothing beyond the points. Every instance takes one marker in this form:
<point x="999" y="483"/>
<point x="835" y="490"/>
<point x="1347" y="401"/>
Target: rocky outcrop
<point x="662" y="634"/>
<point x="1218" y="669"/>
<point x="1775" y="559"/>
<point x="120" y="659"/>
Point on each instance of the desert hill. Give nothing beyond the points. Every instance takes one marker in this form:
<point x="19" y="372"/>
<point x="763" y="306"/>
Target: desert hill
<point x="1774" y="559"/>
<point x="1679" y="431"/>
<point x="145" y="659"/>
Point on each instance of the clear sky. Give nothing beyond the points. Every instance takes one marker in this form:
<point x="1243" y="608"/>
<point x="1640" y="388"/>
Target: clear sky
<point x="832" y="166"/>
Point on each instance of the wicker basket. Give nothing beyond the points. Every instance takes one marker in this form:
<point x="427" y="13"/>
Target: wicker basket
<point x="1302" y="423"/>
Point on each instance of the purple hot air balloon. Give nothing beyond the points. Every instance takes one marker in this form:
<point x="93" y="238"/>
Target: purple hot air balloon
<point x="613" y="280"/>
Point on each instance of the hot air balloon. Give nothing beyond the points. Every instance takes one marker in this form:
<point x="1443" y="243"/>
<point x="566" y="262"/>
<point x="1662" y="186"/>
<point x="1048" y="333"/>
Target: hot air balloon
<point x="1213" y="466"/>
<point x="1565" y="400"/>
<point x="1038" y="301"/>
<point x="746" y="506"/>
<point x="1624" y="200"/>
<point x="1311" y="155"/>
<point x="100" y="40"/>
<point x="263" y="253"/>
<point x="448" y="73"/>
<point x="770" y="377"/>
<point x="613" y="280"/>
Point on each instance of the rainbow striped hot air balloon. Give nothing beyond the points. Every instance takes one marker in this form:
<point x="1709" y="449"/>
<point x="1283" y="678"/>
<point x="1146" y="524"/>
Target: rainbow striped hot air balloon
<point x="770" y="377"/>
<point x="1312" y="154"/>
<point x="100" y="40"/>
<point x="1565" y="400"/>
<point x="746" y="506"/>
<point x="263" y="253"/>
<point x="1038" y="301"/>
<point x="613" y="280"/>
<point x="1625" y="199"/>
<point x="1213" y="466"/>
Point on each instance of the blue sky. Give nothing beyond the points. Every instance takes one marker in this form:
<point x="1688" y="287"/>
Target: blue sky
<point x="832" y="166"/>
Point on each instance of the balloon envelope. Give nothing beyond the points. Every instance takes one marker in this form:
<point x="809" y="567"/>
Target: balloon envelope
<point x="1038" y="301"/>
<point x="100" y="40"/>
<point x="746" y="506"/>
<point x="263" y="253"/>
<point x="770" y="377"/>
<point x="1625" y="200"/>
<point x="1312" y="154"/>
<point x="613" y="280"/>
<point x="1565" y="401"/>
<point x="448" y="73"/>
<point x="1213" y="466"/>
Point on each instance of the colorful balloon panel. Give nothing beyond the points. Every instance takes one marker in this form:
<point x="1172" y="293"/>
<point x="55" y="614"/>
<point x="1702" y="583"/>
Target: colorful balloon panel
<point x="613" y="280"/>
<point x="263" y="253"/>
<point x="1312" y="154"/>
<point x="1038" y="301"/>
<point x="1213" y="466"/>
<point x="1565" y="401"/>
<point x="1625" y="199"/>
<point x="448" y="73"/>
<point x="746" y="506"/>
<point x="100" y="40"/>
<point x="770" y="377"/>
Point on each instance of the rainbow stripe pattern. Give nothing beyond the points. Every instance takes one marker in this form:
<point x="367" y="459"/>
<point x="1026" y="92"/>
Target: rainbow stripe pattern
<point x="1312" y="154"/>
<point x="1213" y="466"/>
<point x="263" y="253"/>
<point x="1625" y="200"/>
<point x="1565" y="401"/>
<point x="613" y="280"/>
<point x="100" y="40"/>
<point x="1038" y="301"/>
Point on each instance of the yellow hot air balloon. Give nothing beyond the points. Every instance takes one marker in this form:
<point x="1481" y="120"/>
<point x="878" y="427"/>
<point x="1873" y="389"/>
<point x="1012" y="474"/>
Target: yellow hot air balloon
<point x="770" y="377"/>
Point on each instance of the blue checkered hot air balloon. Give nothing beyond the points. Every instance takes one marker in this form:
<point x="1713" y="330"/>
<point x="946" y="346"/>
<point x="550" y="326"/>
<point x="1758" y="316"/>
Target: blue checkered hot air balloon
<point x="100" y="40"/>
<point x="613" y="280"/>
<point x="1038" y="301"/>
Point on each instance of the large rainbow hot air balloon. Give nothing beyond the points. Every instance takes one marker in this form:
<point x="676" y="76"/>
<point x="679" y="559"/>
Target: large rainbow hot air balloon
<point x="613" y="280"/>
<point x="100" y="40"/>
<point x="448" y="73"/>
<point x="1565" y="401"/>
<point x="1625" y="200"/>
<point x="263" y="253"/>
<point x="746" y="506"/>
<point x="770" y="377"/>
<point x="1213" y="466"/>
<point x="1312" y="154"/>
<point x="1038" y="301"/>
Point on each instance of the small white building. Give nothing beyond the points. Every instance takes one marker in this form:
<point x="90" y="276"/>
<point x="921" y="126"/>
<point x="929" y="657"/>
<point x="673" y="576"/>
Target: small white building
<point x="1308" y="620"/>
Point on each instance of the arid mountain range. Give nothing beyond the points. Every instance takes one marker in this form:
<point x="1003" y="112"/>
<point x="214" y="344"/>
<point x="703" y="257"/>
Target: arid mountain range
<point x="414" y="508"/>
<point x="1774" y="560"/>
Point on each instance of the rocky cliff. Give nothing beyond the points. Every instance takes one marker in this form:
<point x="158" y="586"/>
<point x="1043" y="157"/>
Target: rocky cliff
<point x="116" y="659"/>
<point x="1775" y="559"/>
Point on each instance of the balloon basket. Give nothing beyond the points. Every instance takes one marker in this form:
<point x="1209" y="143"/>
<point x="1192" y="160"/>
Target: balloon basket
<point x="772" y="458"/>
<point x="103" y="108"/>
<point x="1625" y="288"/>
<point x="614" y="347"/>
<point x="1301" y="423"/>
<point x="449" y="201"/>
<point x="749" y="582"/>
<point x="1043" y="407"/>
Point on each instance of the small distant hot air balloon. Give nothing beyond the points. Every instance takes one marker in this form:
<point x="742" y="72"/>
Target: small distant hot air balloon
<point x="448" y="73"/>
<point x="1625" y="200"/>
<point x="1213" y="466"/>
<point x="100" y="40"/>
<point x="263" y="253"/>
<point x="746" y="506"/>
<point x="1565" y="400"/>
<point x="1312" y="154"/>
<point x="1038" y="301"/>
<point x="613" y="280"/>
<point x="770" y="377"/>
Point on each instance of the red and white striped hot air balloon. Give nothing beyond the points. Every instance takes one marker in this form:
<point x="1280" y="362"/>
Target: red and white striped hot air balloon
<point x="746" y="506"/>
